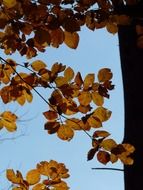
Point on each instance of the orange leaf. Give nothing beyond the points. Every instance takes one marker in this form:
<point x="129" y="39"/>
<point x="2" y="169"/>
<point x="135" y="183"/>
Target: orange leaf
<point x="108" y="144"/>
<point x="84" y="98"/>
<point x="33" y="176"/>
<point x="14" y="178"/>
<point x="69" y="74"/>
<point x="112" y="27"/>
<point x="88" y="81"/>
<point x="97" y="98"/>
<point x="102" y="113"/>
<point x="71" y="39"/>
<point x="65" y="132"/>
<point x="38" y="65"/>
<point x="104" y="75"/>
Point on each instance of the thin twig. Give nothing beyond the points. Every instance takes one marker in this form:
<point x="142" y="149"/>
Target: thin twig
<point x="115" y="169"/>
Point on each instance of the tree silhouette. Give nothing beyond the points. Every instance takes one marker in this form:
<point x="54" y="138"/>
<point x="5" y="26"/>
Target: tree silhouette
<point x="29" y="27"/>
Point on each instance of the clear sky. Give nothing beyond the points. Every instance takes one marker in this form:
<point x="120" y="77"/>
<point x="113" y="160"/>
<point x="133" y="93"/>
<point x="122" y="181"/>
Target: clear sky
<point x="96" y="50"/>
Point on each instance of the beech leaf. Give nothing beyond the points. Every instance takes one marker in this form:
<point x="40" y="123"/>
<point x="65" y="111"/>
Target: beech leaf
<point x="71" y="39"/>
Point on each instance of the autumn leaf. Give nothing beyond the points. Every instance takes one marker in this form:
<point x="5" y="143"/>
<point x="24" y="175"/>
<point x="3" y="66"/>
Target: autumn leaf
<point x="103" y="157"/>
<point x="14" y="178"/>
<point x="8" y="120"/>
<point x="104" y="75"/>
<point x="91" y="154"/>
<point x="100" y="134"/>
<point x="71" y="39"/>
<point x="60" y="81"/>
<point x="112" y="27"/>
<point x="69" y="74"/>
<point x="108" y="144"/>
<point x="39" y="186"/>
<point x="38" y="65"/>
<point x="65" y="132"/>
<point x="33" y="176"/>
<point x="73" y="123"/>
<point x="84" y="98"/>
<point x="97" y="98"/>
<point x="78" y="79"/>
<point x="88" y="81"/>
<point x="102" y="113"/>
<point x="50" y="115"/>
<point x="9" y="3"/>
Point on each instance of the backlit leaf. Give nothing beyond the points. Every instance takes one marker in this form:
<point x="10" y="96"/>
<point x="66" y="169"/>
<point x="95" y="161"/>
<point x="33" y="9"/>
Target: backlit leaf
<point x="100" y="134"/>
<point x="9" y="3"/>
<point x="65" y="132"/>
<point x="38" y="65"/>
<point x="97" y="98"/>
<point x="112" y="27"/>
<point x="103" y="157"/>
<point x="74" y="123"/>
<point x="71" y="39"/>
<point x="33" y="176"/>
<point x="102" y="113"/>
<point x="14" y="178"/>
<point x="84" y="98"/>
<point x="108" y="144"/>
<point x="88" y="81"/>
<point x="104" y="75"/>
<point x="91" y="154"/>
<point x="69" y="74"/>
<point x="50" y="115"/>
<point x="39" y="186"/>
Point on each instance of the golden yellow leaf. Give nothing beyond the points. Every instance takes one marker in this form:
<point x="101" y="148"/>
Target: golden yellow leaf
<point x="102" y="113"/>
<point x="65" y="132"/>
<point x="112" y="27"/>
<point x="74" y="123"/>
<point x="33" y="176"/>
<point x="38" y="65"/>
<point x="128" y="147"/>
<point x="21" y="100"/>
<point x="71" y="39"/>
<point x="94" y="122"/>
<point x="84" y="98"/>
<point x="39" y="186"/>
<point x="104" y="74"/>
<point x="60" y="81"/>
<point x="126" y="160"/>
<point x="108" y="144"/>
<point x="61" y="186"/>
<point x="8" y="120"/>
<point x="88" y="81"/>
<point x="9" y="3"/>
<point x="14" y="178"/>
<point x="97" y="98"/>
<point x="69" y="74"/>
<point x="113" y="158"/>
<point x="28" y="96"/>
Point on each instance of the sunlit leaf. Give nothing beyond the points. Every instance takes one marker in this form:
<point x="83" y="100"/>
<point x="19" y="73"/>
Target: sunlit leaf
<point x="84" y="98"/>
<point x="97" y="98"/>
<point x="102" y="113"/>
<point x="113" y="158"/>
<point x="71" y="39"/>
<point x="69" y="74"/>
<point x="9" y="3"/>
<point x="108" y="144"/>
<point x="88" y="81"/>
<point x="39" y="186"/>
<point x="104" y="75"/>
<point x="74" y="123"/>
<point x="38" y="65"/>
<point x="33" y="176"/>
<point x="65" y="132"/>
<point x="14" y="178"/>
<point x="50" y="115"/>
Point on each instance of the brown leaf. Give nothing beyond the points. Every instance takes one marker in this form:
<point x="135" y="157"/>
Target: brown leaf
<point x="84" y="98"/>
<point x="91" y="154"/>
<point x="71" y="39"/>
<point x="104" y="75"/>
<point x="50" y="115"/>
<point x="88" y="81"/>
<point x="103" y="157"/>
<point x="65" y="132"/>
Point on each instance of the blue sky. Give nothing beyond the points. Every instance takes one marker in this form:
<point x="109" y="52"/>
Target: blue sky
<point x="96" y="50"/>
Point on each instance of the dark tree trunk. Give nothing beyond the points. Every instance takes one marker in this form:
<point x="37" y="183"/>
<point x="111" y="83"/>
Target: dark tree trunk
<point x="132" y="72"/>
